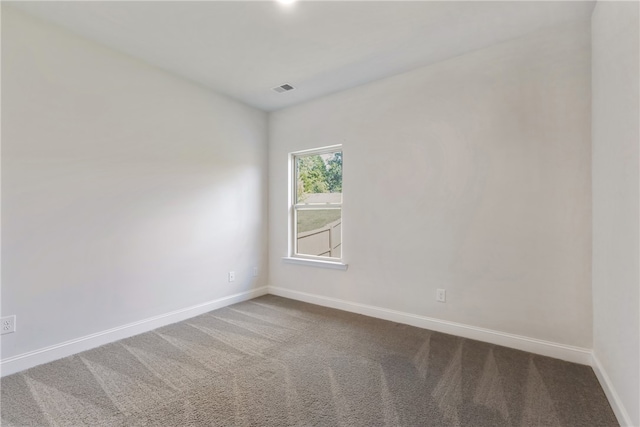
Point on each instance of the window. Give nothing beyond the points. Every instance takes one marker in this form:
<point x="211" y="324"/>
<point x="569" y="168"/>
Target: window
<point x="315" y="213"/>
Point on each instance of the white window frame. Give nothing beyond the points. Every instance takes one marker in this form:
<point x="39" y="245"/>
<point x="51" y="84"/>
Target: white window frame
<point x="293" y="257"/>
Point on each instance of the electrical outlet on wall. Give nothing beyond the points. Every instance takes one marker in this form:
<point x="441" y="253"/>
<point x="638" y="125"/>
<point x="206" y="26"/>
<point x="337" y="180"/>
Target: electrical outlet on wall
<point x="441" y="295"/>
<point x="232" y="276"/>
<point x="255" y="271"/>
<point x="8" y="324"/>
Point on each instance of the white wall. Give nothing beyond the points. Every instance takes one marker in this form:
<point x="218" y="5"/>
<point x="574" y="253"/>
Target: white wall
<point x="127" y="192"/>
<point x="616" y="213"/>
<point x="471" y="175"/>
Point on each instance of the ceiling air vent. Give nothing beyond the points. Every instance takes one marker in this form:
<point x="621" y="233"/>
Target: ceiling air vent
<point x="283" y="88"/>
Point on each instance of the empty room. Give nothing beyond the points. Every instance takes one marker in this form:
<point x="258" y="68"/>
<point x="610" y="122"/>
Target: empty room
<point x="320" y="213"/>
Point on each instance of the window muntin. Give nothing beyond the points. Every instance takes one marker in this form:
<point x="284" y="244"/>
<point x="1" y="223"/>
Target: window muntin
<point x="316" y="207"/>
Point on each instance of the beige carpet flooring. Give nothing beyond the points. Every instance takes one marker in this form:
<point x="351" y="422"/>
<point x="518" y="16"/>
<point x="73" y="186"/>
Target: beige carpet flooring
<point x="277" y="362"/>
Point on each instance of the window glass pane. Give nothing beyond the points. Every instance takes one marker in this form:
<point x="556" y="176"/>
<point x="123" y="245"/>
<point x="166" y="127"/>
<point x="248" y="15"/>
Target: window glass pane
<point x="319" y="232"/>
<point x="319" y="178"/>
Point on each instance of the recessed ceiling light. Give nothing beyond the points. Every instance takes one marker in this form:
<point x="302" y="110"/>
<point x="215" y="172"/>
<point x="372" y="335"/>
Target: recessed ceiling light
<point x="286" y="2"/>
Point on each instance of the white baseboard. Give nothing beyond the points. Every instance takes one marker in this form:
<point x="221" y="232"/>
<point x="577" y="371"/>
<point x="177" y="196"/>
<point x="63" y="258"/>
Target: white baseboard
<point x="616" y="404"/>
<point x="48" y="354"/>
<point x="545" y="348"/>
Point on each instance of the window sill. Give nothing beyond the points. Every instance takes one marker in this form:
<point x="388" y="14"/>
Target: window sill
<point x="316" y="263"/>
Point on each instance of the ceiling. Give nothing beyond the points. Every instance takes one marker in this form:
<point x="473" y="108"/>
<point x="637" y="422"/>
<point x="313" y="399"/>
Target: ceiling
<point x="243" y="49"/>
